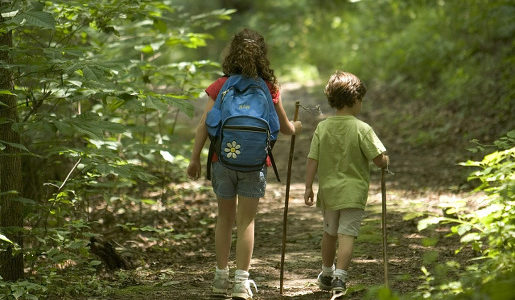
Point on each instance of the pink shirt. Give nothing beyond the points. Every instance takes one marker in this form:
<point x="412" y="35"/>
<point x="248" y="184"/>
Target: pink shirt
<point x="216" y="86"/>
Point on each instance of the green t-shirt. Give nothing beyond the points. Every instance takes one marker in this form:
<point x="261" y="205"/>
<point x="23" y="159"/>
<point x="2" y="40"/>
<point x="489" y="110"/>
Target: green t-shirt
<point x="344" y="147"/>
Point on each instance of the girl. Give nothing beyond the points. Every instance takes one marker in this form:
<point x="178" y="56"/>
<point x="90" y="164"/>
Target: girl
<point x="237" y="192"/>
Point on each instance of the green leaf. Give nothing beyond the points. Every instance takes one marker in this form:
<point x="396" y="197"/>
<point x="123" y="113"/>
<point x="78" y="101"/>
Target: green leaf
<point x="90" y="74"/>
<point x="469" y="237"/>
<point x="167" y="156"/>
<point x="184" y="105"/>
<point x="9" y="14"/>
<point x="156" y="104"/>
<point x="11" y="192"/>
<point x="149" y="201"/>
<point x="89" y="124"/>
<point x="6" y="92"/>
<point x="25" y="201"/>
<point x="5" y="239"/>
<point x="424" y="223"/>
<point x="35" y="18"/>
<point x="412" y="215"/>
<point x="37" y="6"/>
<point x="14" y="145"/>
<point x="463" y="228"/>
<point x="94" y="263"/>
<point x="146" y="49"/>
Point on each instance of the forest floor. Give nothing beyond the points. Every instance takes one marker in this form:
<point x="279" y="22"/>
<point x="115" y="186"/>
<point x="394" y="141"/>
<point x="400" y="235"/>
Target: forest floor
<point x="183" y="266"/>
<point x="191" y="266"/>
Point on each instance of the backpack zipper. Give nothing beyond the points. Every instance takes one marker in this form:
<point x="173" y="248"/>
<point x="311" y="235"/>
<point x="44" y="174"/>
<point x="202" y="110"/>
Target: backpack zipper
<point x="249" y="87"/>
<point x="245" y="128"/>
<point x="225" y="92"/>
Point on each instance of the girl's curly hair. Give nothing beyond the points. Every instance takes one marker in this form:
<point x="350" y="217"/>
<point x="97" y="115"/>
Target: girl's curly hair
<point x="247" y="56"/>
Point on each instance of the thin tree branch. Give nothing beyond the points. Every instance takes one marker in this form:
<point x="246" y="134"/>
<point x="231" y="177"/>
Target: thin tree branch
<point x="69" y="174"/>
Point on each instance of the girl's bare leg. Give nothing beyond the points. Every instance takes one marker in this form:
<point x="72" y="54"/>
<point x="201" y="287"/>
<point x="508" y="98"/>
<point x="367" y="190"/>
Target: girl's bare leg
<point x="245" y="215"/>
<point x="223" y="231"/>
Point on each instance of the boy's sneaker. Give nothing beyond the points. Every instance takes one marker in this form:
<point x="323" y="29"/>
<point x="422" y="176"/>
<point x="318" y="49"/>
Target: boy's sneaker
<point x="324" y="282"/>
<point x="241" y="290"/>
<point x="338" y="288"/>
<point x="221" y="286"/>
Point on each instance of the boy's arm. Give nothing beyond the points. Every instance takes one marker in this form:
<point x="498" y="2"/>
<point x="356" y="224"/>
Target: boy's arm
<point x="382" y="160"/>
<point x="311" y="170"/>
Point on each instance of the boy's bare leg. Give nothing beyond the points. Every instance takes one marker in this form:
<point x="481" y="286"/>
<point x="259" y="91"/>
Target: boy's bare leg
<point x="245" y="215"/>
<point x="328" y="249"/>
<point x="345" y="247"/>
<point x="223" y="231"/>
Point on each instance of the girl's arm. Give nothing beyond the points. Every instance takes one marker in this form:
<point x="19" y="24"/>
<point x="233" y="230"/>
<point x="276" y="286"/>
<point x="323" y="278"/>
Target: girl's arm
<point x="311" y="170"/>
<point x="287" y="127"/>
<point x="194" y="168"/>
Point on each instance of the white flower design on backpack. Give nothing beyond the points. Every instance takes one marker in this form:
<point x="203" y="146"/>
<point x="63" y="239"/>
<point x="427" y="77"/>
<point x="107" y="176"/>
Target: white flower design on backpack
<point x="232" y="149"/>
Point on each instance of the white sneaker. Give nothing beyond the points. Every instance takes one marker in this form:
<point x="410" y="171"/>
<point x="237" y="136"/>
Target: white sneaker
<point x="241" y="290"/>
<point x="324" y="282"/>
<point x="221" y="285"/>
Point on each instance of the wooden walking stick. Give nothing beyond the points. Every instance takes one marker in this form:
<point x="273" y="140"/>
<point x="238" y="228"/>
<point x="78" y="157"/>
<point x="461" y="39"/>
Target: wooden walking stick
<point x="287" y="197"/>
<point x="383" y="225"/>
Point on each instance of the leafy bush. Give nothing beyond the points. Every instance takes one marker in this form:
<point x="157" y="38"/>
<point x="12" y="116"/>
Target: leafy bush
<point x="489" y="231"/>
<point x="444" y="64"/>
<point x="98" y="88"/>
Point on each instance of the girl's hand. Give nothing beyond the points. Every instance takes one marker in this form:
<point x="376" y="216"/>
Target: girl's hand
<point x="194" y="169"/>
<point x="309" y="196"/>
<point x="298" y="126"/>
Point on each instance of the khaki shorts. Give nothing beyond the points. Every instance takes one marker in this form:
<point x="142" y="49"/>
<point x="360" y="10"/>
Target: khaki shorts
<point x="345" y="221"/>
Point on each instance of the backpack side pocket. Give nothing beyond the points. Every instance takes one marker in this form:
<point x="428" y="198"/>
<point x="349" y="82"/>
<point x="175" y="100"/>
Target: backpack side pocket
<point x="213" y="121"/>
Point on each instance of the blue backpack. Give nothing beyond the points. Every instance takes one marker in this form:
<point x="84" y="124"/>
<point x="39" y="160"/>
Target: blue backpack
<point x="242" y="125"/>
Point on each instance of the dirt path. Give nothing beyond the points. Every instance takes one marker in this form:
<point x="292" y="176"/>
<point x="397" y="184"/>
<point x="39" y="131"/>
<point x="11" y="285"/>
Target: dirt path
<point x="420" y="184"/>
<point x="188" y="272"/>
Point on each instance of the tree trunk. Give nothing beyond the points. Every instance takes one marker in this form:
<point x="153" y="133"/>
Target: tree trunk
<point x="11" y="210"/>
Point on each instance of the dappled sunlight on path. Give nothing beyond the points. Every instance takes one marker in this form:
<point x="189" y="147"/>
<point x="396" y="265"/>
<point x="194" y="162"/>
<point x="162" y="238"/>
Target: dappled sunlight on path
<point x="407" y="247"/>
<point x="421" y="185"/>
<point x="193" y="264"/>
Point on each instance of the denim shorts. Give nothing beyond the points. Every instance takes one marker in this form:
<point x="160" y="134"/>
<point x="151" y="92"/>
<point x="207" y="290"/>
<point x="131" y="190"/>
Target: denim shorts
<point x="228" y="183"/>
<point x="345" y="221"/>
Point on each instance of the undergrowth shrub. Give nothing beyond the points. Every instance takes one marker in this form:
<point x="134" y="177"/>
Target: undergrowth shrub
<point x="489" y="230"/>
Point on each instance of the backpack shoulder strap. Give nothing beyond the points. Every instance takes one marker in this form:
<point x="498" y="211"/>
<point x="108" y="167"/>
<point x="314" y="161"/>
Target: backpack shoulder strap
<point x="227" y="84"/>
<point x="210" y="160"/>
<point x="273" y="164"/>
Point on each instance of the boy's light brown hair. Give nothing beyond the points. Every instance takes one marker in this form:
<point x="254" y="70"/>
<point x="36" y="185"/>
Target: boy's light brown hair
<point x="344" y="89"/>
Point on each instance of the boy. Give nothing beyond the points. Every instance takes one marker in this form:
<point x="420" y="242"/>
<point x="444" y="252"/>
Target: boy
<point x="340" y="152"/>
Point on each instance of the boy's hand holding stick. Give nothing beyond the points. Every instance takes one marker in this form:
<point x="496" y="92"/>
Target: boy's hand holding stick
<point x="287" y="196"/>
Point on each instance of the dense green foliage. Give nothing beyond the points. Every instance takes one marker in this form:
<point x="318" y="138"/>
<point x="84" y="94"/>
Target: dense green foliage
<point x="489" y="230"/>
<point x="100" y="85"/>
<point x="450" y="61"/>
<point x="99" y="88"/>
